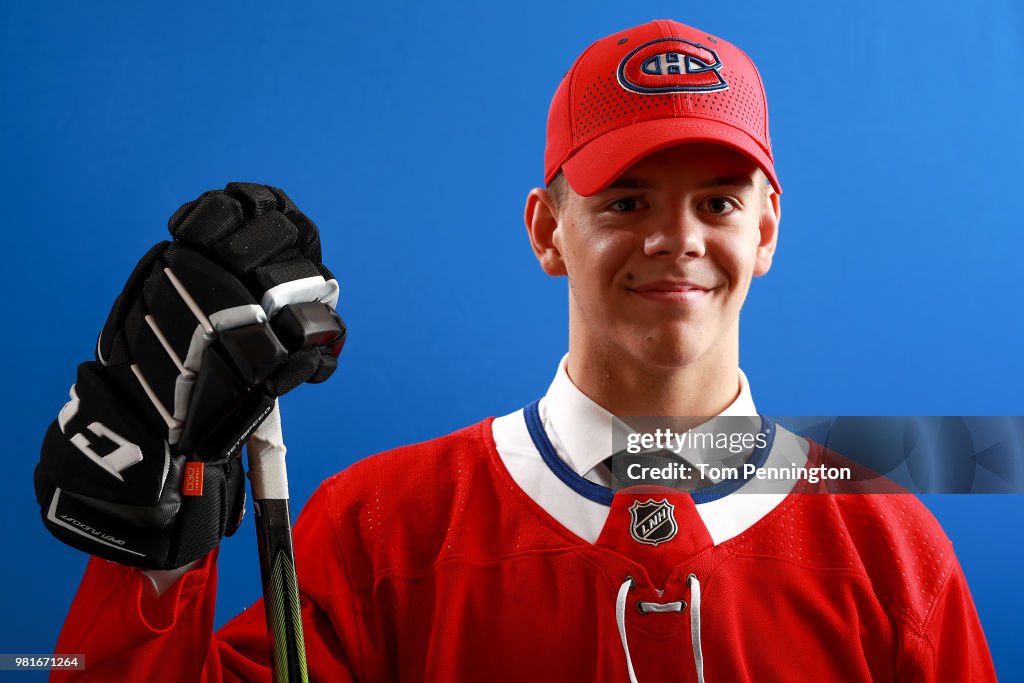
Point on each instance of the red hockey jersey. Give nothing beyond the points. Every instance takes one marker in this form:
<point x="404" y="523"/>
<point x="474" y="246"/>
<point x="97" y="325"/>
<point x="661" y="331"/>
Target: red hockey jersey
<point x="429" y="563"/>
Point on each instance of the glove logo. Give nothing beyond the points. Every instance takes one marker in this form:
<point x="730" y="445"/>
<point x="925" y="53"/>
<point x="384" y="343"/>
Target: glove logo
<point x="671" y="65"/>
<point x="653" y="521"/>
<point x="124" y="454"/>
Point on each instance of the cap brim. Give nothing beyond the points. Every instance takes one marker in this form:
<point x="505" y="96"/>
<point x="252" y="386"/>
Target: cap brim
<point x="605" y="158"/>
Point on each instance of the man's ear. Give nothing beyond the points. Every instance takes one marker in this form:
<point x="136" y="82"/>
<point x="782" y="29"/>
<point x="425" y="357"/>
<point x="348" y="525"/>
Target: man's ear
<point x="541" y="217"/>
<point x="771" y="215"/>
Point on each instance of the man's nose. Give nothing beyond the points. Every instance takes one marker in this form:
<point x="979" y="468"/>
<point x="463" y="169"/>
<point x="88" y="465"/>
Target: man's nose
<point x="677" y="234"/>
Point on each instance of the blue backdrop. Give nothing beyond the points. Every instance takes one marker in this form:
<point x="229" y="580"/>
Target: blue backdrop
<point x="412" y="131"/>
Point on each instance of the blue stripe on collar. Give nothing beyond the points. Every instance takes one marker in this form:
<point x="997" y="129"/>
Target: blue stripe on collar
<point x="602" y="494"/>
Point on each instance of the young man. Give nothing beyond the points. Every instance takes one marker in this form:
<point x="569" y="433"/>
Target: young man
<point x="500" y="552"/>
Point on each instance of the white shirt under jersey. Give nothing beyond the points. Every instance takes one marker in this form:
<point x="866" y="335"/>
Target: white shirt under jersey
<point x="581" y="433"/>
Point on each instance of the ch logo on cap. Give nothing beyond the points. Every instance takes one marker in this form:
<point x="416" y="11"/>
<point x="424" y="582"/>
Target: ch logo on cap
<point x="671" y="65"/>
<point x="652" y="522"/>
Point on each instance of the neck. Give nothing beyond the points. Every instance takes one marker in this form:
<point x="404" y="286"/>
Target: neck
<point x="627" y="386"/>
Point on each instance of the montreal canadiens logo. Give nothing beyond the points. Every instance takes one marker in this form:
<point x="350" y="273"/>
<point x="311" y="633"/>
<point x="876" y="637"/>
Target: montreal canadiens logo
<point x="653" y="521"/>
<point x="670" y="65"/>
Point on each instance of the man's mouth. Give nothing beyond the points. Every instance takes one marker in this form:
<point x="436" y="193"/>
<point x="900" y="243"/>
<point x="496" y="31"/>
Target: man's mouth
<point x="672" y="291"/>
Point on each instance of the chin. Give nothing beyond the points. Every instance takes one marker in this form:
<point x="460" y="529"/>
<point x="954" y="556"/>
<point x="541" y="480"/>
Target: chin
<point x="668" y="351"/>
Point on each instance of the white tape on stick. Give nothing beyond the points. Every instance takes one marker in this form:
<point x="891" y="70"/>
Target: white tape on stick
<point x="266" y="451"/>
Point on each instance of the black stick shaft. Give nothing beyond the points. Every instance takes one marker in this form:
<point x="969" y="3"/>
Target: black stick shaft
<point x="281" y="591"/>
<point x="269" y="479"/>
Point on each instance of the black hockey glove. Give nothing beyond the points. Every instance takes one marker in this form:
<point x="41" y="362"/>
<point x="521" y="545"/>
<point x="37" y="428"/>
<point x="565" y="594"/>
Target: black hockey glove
<point x="142" y="465"/>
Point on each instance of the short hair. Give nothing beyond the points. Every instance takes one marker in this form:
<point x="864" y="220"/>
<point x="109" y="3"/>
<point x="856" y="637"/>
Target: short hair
<point x="557" y="189"/>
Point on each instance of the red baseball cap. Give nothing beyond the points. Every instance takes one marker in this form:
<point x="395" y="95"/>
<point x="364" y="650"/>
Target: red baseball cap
<point x="648" y="88"/>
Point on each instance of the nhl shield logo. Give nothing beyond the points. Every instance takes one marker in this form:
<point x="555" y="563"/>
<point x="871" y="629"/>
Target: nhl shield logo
<point x="653" y="521"/>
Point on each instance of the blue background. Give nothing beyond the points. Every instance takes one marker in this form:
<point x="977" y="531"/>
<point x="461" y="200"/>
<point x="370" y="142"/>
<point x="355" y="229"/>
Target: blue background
<point x="412" y="131"/>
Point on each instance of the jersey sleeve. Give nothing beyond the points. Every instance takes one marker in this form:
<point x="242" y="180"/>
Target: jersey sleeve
<point x="950" y="645"/>
<point x="127" y="632"/>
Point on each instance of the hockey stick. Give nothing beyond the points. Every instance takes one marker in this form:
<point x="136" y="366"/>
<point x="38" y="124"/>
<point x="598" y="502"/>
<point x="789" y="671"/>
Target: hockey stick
<point x="269" y="479"/>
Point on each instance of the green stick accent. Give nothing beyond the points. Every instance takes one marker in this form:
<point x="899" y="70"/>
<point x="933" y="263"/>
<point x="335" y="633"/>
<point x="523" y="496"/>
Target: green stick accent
<point x="287" y="616"/>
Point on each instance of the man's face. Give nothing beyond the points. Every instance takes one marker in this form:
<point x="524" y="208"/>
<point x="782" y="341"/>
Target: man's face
<point x="660" y="262"/>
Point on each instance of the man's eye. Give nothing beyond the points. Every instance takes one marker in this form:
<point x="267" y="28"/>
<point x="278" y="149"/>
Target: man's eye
<point x="719" y="205"/>
<point x="628" y="204"/>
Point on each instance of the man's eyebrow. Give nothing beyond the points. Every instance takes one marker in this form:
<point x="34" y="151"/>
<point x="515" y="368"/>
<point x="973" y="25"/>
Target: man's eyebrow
<point x="628" y="182"/>
<point x="744" y="182"/>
